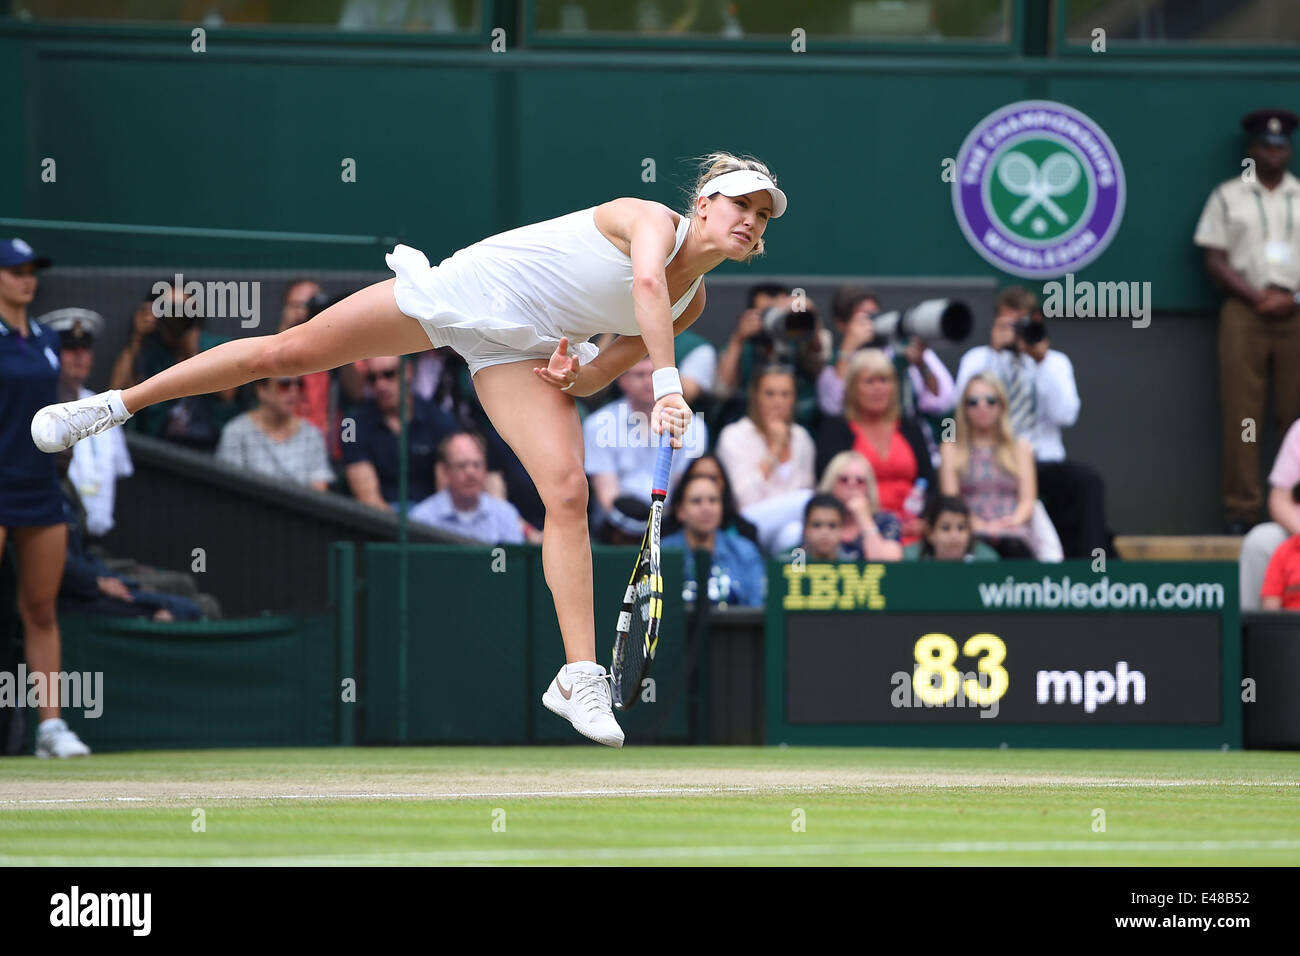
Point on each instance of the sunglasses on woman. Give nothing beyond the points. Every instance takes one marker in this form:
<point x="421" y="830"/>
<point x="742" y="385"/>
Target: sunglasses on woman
<point x="989" y="400"/>
<point x="855" y="479"/>
<point x="284" y="384"/>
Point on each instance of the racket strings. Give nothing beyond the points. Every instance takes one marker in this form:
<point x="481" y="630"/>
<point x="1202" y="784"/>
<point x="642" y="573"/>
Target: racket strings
<point x="638" y="622"/>
<point x="631" y="645"/>
<point x="634" y="644"/>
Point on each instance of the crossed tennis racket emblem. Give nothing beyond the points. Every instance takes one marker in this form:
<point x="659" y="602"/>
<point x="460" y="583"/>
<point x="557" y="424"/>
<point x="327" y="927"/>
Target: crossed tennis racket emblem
<point x="1021" y="176"/>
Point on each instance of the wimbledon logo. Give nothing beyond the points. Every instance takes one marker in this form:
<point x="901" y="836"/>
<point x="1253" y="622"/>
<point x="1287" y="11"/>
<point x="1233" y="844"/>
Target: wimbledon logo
<point x="1039" y="189"/>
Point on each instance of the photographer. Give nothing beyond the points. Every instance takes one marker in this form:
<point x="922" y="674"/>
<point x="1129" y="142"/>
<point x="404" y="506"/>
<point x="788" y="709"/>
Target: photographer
<point x="926" y="383"/>
<point x="776" y="329"/>
<point x="1042" y="399"/>
<point x="161" y="341"/>
<point x="748" y="324"/>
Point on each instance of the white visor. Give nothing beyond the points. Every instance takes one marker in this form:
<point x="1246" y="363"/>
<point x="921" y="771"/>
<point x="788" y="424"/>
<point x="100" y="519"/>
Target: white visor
<point x="741" y="182"/>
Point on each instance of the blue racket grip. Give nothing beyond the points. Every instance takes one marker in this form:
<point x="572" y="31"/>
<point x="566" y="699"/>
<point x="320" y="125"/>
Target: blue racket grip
<point x="663" y="465"/>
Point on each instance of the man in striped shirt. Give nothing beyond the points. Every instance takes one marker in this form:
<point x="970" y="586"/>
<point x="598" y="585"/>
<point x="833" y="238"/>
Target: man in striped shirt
<point x="1043" y="399"/>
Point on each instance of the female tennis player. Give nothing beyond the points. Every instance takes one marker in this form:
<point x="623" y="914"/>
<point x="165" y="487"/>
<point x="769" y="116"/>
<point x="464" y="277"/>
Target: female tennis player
<point x="520" y="307"/>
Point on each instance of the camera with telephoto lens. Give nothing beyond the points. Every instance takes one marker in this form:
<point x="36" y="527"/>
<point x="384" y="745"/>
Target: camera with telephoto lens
<point x="785" y="331"/>
<point x="1029" y="330"/>
<point x="943" y="320"/>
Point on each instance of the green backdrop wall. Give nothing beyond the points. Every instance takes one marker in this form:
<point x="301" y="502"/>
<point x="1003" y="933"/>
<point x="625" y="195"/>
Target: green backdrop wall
<point x="453" y="144"/>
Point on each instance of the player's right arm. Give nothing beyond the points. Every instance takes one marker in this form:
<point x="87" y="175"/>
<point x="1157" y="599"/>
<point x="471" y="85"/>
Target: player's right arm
<point x="651" y="233"/>
<point x="646" y="233"/>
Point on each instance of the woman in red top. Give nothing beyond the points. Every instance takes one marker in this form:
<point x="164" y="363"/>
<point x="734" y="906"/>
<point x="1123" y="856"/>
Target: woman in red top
<point x="874" y="426"/>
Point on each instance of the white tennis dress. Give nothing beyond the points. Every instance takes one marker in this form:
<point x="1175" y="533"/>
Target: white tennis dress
<point x="513" y="295"/>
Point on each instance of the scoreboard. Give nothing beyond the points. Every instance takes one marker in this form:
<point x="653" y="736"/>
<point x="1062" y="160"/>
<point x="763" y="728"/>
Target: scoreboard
<point x="1017" y="653"/>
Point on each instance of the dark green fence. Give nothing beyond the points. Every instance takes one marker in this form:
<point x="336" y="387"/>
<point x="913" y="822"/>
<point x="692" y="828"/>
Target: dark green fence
<point x="268" y="682"/>
<point x="481" y="643"/>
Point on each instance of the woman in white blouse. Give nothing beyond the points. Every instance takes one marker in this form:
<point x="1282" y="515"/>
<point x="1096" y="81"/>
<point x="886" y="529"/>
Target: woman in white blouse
<point x="766" y="453"/>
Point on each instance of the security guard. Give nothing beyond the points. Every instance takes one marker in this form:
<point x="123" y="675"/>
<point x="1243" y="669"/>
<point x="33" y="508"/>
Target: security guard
<point x="77" y="328"/>
<point x="1250" y="232"/>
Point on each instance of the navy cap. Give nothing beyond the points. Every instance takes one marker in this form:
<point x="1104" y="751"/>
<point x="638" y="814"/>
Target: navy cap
<point x="15" y="252"/>
<point x="1270" y="127"/>
<point x="76" y="327"/>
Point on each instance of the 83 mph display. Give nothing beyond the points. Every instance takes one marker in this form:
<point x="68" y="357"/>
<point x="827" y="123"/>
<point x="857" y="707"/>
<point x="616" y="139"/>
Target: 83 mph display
<point x="1048" y="655"/>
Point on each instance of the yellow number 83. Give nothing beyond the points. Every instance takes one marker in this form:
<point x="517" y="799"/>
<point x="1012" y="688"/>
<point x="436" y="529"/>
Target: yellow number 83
<point x="936" y="654"/>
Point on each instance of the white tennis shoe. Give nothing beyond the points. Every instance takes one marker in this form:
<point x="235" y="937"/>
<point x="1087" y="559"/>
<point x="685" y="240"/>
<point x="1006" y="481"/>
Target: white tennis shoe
<point x="59" y="427"/>
<point x="54" y="739"/>
<point x="580" y="694"/>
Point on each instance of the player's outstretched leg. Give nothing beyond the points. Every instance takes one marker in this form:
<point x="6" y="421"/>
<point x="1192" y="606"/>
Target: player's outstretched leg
<point x="541" y="424"/>
<point x="366" y="324"/>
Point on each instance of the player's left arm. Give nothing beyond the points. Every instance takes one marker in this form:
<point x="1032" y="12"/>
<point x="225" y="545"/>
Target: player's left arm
<point x="626" y="351"/>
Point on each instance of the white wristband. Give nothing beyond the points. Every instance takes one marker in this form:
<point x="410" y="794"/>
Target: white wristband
<point x="667" y="382"/>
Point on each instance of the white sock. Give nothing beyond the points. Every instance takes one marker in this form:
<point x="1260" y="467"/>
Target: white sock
<point x="583" y="667"/>
<point x="50" y="723"/>
<point x="120" y="414"/>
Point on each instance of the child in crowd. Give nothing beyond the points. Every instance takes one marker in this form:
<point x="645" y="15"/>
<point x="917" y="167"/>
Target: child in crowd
<point x="948" y="535"/>
<point x="823" y="527"/>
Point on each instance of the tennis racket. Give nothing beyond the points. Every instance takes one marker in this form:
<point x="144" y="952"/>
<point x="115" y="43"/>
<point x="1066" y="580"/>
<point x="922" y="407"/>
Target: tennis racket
<point x="643" y="602"/>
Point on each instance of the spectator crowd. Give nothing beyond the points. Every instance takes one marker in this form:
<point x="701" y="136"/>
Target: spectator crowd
<point x="810" y="441"/>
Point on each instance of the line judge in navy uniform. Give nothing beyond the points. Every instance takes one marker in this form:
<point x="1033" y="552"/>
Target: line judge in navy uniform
<point x="1250" y="233"/>
<point x="31" y="507"/>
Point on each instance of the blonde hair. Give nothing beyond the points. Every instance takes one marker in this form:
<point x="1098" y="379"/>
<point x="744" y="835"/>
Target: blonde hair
<point x="752" y="409"/>
<point x="1005" y="443"/>
<point x="866" y="362"/>
<point x="835" y="467"/>
<point x="716" y="164"/>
